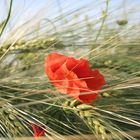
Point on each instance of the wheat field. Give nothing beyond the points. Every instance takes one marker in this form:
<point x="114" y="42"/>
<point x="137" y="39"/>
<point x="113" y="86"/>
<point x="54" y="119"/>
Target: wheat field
<point x="105" y="32"/>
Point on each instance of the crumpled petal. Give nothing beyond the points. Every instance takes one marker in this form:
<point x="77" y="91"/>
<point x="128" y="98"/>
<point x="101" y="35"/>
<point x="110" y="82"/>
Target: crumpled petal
<point x="81" y="67"/>
<point x="96" y="82"/>
<point x="73" y="77"/>
<point x="68" y="82"/>
<point x="53" y="62"/>
<point x="38" y="131"/>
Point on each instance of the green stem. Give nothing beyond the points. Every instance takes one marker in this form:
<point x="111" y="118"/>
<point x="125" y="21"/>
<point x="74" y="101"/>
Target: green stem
<point x="102" y="24"/>
<point x="8" y="17"/>
<point x="103" y="21"/>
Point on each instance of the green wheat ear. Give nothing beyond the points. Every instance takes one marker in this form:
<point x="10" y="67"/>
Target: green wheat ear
<point x="31" y="45"/>
<point x="12" y="124"/>
<point x="90" y="117"/>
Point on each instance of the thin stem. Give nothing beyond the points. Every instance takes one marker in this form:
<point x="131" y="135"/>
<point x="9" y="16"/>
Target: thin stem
<point x="103" y="21"/>
<point x="8" y="17"/>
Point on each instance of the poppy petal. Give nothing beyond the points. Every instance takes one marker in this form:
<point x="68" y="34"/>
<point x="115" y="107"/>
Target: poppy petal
<point x="54" y="61"/>
<point x="73" y="77"/>
<point x="38" y="131"/>
<point x="80" y="67"/>
<point x="88" y="98"/>
<point x="96" y="82"/>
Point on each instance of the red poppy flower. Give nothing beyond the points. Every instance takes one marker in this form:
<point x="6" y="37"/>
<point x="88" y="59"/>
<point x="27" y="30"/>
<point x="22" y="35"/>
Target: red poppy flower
<point x="38" y="131"/>
<point x="73" y="77"/>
